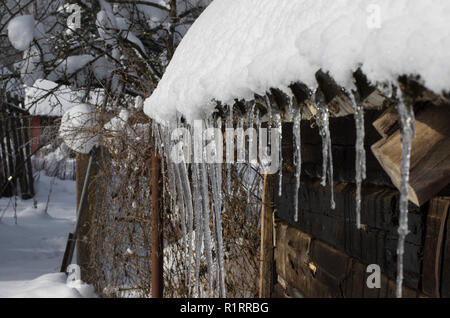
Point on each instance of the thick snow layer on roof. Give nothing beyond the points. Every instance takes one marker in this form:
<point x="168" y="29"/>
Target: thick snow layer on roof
<point x="240" y="47"/>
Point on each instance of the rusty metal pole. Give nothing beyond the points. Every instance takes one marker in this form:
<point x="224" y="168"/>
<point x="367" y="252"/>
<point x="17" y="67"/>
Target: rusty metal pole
<point x="157" y="237"/>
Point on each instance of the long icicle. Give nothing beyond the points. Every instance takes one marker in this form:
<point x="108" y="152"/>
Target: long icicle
<point x="297" y="157"/>
<point x="406" y="119"/>
<point x="206" y="219"/>
<point x="182" y="211"/>
<point x="214" y="206"/>
<point x="216" y="186"/>
<point x="217" y="209"/>
<point x="229" y="165"/>
<point x="170" y="167"/>
<point x="330" y="167"/>
<point x="269" y="119"/>
<point x="198" y="224"/>
<point x="219" y="165"/>
<point x="189" y="216"/>
<point x="360" y="163"/>
<point x="323" y="121"/>
<point x="250" y="125"/>
<point x="279" y="126"/>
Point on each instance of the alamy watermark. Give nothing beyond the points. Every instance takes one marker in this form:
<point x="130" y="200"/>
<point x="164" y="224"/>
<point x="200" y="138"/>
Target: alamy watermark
<point x="73" y="273"/>
<point x="201" y="144"/>
<point x="374" y="279"/>
<point x="74" y="19"/>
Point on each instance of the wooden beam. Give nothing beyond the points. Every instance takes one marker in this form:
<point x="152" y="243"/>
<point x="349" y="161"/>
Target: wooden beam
<point x="266" y="256"/>
<point x="445" y="272"/>
<point x="157" y="230"/>
<point x="430" y="152"/>
<point x="318" y="270"/>
<point x="83" y="253"/>
<point x="387" y="124"/>
<point x="434" y="247"/>
<point x="338" y="102"/>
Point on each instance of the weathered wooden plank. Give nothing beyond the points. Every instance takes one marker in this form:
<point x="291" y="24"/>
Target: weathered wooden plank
<point x="445" y="273"/>
<point x="83" y="254"/>
<point x="387" y="123"/>
<point x="435" y="248"/>
<point x="430" y="153"/>
<point x="292" y="248"/>
<point x="434" y="221"/>
<point x="316" y="269"/>
<point x="375" y="243"/>
<point x="266" y="256"/>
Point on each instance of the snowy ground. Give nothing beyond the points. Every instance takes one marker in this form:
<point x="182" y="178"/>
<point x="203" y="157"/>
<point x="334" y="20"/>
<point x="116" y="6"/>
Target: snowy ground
<point x="31" y="251"/>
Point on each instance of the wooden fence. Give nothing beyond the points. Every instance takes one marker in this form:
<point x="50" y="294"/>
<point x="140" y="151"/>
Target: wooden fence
<point x="16" y="175"/>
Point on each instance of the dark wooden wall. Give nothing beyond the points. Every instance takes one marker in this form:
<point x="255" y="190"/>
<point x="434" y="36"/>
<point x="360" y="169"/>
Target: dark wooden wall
<point x="324" y="254"/>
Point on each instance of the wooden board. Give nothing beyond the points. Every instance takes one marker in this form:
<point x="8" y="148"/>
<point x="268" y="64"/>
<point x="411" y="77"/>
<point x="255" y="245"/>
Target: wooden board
<point x="83" y="246"/>
<point x="434" y="248"/>
<point x="375" y="243"/>
<point x="430" y="152"/>
<point x="266" y="256"/>
<point x="445" y="273"/>
<point x="436" y="266"/>
<point x="316" y="269"/>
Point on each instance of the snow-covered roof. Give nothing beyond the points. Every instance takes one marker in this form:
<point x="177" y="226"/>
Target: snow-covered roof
<point x="238" y="48"/>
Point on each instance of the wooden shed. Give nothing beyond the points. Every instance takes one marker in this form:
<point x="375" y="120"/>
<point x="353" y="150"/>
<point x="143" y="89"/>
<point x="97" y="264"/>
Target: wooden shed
<point x="324" y="254"/>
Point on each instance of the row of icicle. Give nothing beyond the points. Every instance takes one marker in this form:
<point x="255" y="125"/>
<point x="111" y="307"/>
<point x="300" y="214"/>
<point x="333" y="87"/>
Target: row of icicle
<point x="191" y="194"/>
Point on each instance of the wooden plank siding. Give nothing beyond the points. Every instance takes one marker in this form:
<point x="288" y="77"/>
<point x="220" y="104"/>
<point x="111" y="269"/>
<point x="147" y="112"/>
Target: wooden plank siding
<point x="315" y="269"/>
<point x="324" y="254"/>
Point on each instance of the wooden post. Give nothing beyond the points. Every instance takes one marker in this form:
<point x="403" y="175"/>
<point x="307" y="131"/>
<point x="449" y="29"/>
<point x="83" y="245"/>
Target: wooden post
<point x="157" y="239"/>
<point x="26" y="131"/>
<point x="82" y="163"/>
<point x="266" y="257"/>
<point x="35" y="132"/>
<point x="83" y="222"/>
